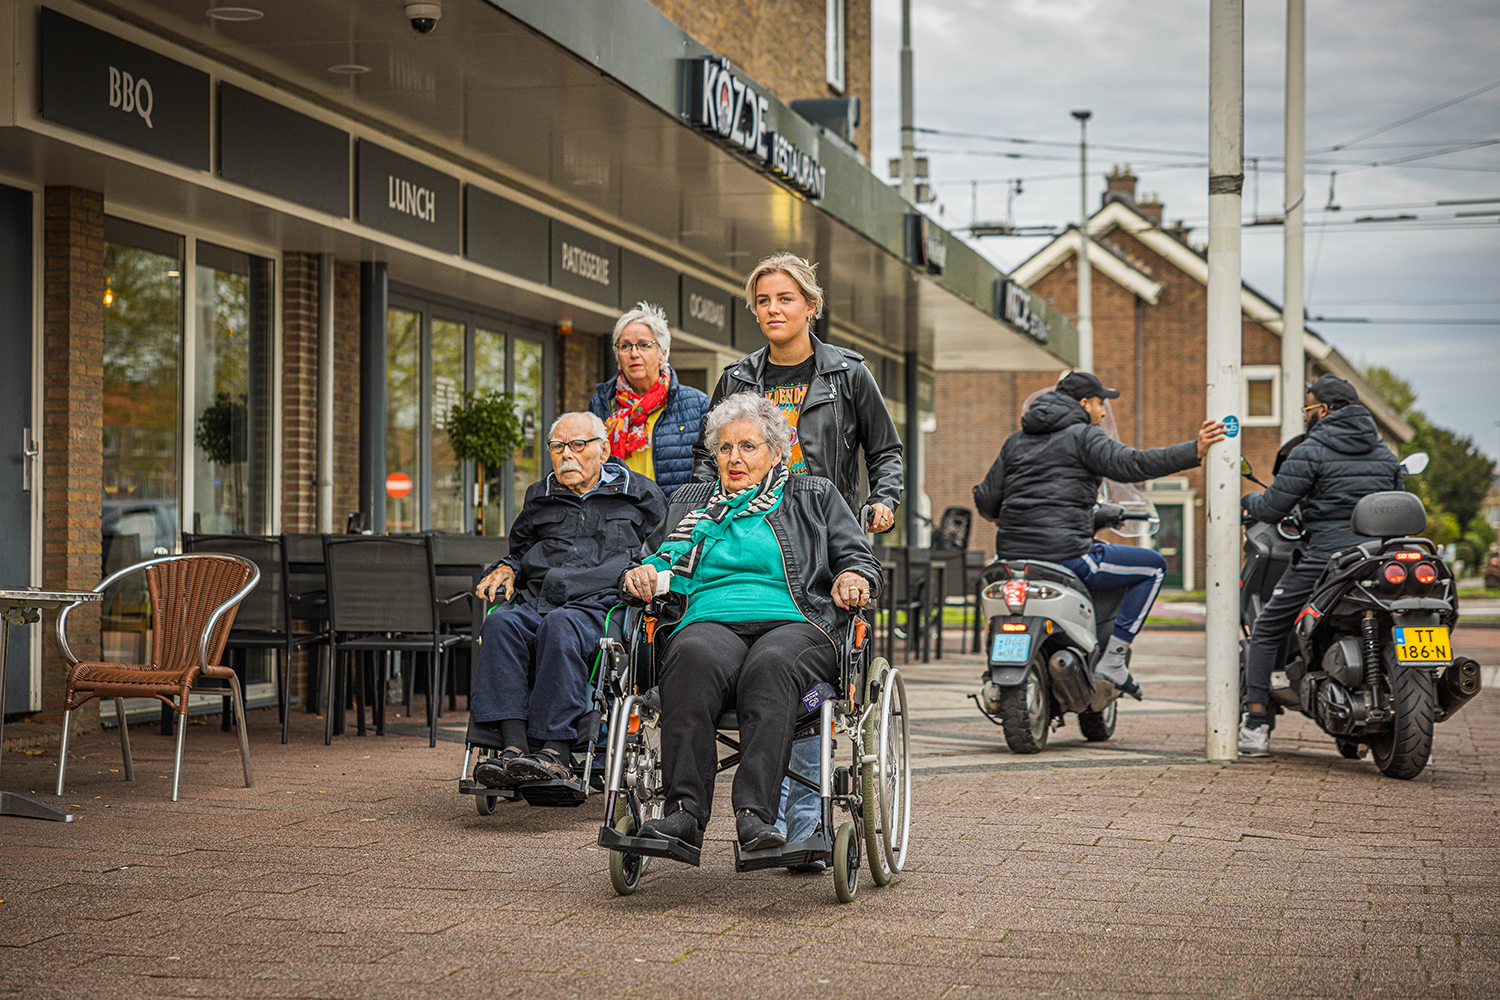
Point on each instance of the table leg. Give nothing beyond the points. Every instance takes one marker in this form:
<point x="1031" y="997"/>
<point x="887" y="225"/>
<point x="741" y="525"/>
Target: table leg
<point x="10" y="803"/>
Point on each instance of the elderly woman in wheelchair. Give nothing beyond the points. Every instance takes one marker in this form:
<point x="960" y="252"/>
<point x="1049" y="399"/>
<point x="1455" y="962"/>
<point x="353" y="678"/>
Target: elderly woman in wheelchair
<point x="772" y="568"/>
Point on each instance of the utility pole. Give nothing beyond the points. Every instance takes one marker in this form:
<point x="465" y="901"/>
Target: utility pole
<point x="1292" y="363"/>
<point x="1226" y="179"/>
<point x="1085" y="278"/>
<point x="908" y="129"/>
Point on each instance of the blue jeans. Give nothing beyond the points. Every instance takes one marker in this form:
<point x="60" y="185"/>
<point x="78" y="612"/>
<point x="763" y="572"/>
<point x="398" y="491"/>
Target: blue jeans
<point x="1110" y="567"/>
<point x="801" y="807"/>
<point x="536" y="667"/>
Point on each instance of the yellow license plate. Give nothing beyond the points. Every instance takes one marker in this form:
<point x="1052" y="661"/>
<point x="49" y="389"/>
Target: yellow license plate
<point x="1427" y="644"/>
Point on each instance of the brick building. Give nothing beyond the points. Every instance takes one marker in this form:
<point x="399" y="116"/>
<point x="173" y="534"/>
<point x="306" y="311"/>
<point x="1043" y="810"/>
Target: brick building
<point x="316" y="245"/>
<point x="1150" y="299"/>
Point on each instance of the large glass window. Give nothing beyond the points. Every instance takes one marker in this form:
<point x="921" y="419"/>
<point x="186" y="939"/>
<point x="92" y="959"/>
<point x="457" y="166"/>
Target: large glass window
<point x="232" y="367"/>
<point x="402" y="420"/>
<point x="447" y="387"/>
<point x="458" y="350"/>
<point x="142" y="360"/>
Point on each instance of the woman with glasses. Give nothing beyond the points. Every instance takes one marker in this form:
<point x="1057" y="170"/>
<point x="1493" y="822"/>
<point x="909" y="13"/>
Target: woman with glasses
<point x="769" y="564"/>
<point x="653" y="419"/>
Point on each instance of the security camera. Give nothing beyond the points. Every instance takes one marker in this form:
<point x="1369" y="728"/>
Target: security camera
<point x="424" y="16"/>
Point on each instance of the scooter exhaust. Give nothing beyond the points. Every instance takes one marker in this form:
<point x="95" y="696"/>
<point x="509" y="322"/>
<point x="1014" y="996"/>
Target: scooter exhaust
<point x="1457" y="686"/>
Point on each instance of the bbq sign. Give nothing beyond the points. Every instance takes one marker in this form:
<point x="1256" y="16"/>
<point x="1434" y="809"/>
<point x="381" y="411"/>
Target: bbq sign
<point x="724" y="103"/>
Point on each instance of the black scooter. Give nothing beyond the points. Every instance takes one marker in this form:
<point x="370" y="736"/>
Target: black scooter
<point x="1370" y="659"/>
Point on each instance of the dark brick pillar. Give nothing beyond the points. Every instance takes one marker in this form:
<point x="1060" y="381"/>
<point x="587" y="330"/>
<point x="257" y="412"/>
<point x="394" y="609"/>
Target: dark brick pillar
<point x="299" y="391"/>
<point x="73" y="421"/>
<point x="345" y="391"/>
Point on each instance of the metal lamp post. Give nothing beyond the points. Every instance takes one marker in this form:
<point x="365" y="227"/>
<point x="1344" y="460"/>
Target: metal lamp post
<point x="1085" y="283"/>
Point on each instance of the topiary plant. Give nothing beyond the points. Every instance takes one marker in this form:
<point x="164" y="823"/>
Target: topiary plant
<point x="485" y="430"/>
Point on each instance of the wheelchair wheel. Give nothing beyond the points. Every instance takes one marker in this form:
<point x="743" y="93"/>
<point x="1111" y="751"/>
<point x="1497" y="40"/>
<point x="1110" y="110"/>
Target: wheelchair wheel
<point x="846" y="863"/>
<point x="485" y="804"/>
<point x="625" y="870"/>
<point x="885" y="783"/>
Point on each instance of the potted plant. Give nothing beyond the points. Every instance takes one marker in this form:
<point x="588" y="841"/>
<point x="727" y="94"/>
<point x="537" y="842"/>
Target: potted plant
<point x="483" y="429"/>
<point x="222" y="435"/>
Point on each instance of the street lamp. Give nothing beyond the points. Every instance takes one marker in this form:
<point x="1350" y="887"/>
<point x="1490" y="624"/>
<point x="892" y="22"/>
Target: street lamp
<point x="1085" y="285"/>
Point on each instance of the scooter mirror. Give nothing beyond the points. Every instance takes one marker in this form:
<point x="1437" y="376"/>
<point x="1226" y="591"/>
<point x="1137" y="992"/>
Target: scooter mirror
<point x="1414" y="463"/>
<point x="1245" y="469"/>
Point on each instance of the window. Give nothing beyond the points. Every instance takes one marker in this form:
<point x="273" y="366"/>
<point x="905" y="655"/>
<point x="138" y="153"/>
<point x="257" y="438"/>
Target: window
<point x="835" y="44"/>
<point x="1262" y="390"/>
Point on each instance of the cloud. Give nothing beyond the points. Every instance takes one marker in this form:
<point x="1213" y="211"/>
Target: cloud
<point x="1018" y="67"/>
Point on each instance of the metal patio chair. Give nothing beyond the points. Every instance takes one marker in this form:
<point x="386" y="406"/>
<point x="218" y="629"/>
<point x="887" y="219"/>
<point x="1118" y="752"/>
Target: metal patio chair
<point x="193" y="602"/>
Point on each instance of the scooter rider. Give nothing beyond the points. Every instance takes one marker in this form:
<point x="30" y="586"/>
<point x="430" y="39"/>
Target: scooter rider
<point x="1339" y="461"/>
<point x="1041" y="493"/>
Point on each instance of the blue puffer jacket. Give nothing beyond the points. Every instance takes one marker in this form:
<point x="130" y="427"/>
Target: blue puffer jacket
<point x="675" y="432"/>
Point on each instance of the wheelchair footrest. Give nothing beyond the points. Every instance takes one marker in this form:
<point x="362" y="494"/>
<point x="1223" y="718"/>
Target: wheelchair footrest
<point x="649" y="847"/>
<point x="801" y="852"/>
<point x="468" y="786"/>
<point x="555" y="793"/>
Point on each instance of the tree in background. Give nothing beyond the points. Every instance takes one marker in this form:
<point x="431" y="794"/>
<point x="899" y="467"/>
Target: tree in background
<point x="1456" y="481"/>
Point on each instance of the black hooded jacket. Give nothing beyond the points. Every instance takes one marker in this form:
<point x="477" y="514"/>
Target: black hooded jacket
<point x="1340" y="461"/>
<point x="1042" y="488"/>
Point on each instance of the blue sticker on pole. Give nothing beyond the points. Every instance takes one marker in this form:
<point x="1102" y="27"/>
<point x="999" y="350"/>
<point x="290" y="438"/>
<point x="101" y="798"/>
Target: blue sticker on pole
<point x="1231" y="426"/>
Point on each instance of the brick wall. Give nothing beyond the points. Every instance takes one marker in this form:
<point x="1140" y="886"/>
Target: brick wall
<point x="299" y="391"/>
<point x="73" y="420"/>
<point x="345" y="391"/>
<point x="580" y="367"/>
<point x="1171" y="391"/>
<point x="756" y="36"/>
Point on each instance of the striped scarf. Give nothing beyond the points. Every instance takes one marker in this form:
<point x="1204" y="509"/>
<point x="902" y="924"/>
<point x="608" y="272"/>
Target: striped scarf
<point x="699" y="530"/>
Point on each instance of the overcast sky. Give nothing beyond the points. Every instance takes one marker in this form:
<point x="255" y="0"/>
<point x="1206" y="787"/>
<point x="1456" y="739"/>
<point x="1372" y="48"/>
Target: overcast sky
<point x="1016" y="68"/>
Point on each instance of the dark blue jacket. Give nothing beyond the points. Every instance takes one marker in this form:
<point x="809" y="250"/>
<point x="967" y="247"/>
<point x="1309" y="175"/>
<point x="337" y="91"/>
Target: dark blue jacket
<point x="676" y="429"/>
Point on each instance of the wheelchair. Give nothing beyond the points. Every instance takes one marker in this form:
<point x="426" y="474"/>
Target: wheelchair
<point x="588" y="768"/>
<point x="868" y="709"/>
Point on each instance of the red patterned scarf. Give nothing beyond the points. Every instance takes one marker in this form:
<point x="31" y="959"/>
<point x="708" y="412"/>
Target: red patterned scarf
<point x="627" y="424"/>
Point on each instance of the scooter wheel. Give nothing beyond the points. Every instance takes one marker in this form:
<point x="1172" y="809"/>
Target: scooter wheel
<point x="1099" y="726"/>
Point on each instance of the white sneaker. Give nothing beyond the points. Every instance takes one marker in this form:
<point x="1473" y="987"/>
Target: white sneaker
<point x="1255" y="741"/>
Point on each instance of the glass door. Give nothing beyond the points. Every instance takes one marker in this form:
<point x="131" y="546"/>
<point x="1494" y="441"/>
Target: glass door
<point x="435" y="353"/>
<point x="1168" y="542"/>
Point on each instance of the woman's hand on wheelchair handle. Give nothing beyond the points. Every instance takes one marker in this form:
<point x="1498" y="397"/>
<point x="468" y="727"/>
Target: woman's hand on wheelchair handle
<point x="640" y="583"/>
<point x="850" y="590"/>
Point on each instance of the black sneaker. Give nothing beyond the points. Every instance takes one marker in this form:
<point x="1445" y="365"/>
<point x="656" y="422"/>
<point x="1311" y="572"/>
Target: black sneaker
<point x="755" y="833"/>
<point x="491" y="772"/>
<point x="680" y="827"/>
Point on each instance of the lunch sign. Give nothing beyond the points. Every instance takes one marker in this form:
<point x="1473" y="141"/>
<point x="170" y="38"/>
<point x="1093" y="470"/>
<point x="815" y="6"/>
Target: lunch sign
<point x="724" y="103"/>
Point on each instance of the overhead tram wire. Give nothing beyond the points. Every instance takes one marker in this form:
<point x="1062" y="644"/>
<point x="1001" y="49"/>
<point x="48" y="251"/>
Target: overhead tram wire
<point x="1411" y="118"/>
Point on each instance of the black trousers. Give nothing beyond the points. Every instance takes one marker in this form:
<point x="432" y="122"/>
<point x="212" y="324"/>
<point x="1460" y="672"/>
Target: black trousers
<point x="760" y="669"/>
<point x="1291" y="595"/>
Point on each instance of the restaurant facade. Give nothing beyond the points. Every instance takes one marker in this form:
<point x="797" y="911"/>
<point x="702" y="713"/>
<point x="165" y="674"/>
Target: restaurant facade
<point x="252" y="257"/>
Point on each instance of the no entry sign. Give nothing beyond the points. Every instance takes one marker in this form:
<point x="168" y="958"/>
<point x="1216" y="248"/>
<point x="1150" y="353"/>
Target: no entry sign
<point x="397" y="484"/>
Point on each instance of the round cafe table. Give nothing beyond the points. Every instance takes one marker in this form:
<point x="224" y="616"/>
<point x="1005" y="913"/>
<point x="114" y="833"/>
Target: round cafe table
<point x="22" y="606"/>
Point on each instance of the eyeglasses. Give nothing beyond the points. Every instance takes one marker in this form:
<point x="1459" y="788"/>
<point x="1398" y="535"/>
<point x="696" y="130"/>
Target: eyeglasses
<point x="1315" y="406"/>
<point x="644" y="347"/>
<point x="747" y="448"/>
<point x="576" y="445"/>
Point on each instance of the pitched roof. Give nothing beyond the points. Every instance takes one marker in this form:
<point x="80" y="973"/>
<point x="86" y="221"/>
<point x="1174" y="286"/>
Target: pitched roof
<point x="1256" y="307"/>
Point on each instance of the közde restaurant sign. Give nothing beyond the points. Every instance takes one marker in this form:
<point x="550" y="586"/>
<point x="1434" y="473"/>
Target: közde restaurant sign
<point x="724" y="103"/>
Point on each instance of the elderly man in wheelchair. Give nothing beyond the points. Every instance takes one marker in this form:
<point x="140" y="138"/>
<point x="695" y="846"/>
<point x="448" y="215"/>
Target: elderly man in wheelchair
<point x="578" y="530"/>
<point x="767" y="570"/>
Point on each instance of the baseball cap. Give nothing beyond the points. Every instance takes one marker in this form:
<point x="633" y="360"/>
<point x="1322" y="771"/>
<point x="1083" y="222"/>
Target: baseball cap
<point x="1333" y="392"/>
<point x="1082" y="385"/>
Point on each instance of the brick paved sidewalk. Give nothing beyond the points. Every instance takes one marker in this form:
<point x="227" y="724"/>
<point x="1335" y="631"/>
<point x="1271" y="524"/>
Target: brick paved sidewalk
<point x="356" y="871"/>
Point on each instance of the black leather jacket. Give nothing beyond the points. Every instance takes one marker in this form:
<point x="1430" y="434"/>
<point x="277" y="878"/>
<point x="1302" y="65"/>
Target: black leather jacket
<point x="842" y="413"/>
<point x="819" y="539"/>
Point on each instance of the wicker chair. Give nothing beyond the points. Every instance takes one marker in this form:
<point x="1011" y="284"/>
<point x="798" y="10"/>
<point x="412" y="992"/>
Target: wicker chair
<point x="193" y="601"/>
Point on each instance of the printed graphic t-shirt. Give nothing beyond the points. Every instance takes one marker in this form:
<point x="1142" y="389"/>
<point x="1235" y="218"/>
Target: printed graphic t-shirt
<point x="786" y="387"/>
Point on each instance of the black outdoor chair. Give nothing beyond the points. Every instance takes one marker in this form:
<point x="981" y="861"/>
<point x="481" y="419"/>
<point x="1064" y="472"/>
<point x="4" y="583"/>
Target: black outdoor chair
<point x="459" y="563"/>
<point x="382" y="598"/>
<point x="913" y="598"/>
<point x="307" y="597"/>
<point x="952" y="530"/>
<point x="264" y="619"/>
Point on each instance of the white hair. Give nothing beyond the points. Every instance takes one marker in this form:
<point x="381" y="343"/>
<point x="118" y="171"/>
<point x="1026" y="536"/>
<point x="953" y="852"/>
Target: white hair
<point x="653" y="319"/>
<point x="600" y="431"/>
<point x="754" y="407"/>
